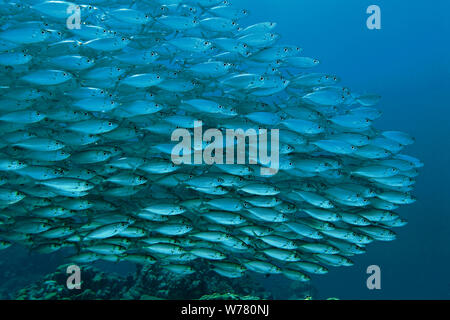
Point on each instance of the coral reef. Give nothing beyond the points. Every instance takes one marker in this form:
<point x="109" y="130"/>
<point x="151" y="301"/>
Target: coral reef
<point x="227" y="296"/>
<point x="147" y="283"/>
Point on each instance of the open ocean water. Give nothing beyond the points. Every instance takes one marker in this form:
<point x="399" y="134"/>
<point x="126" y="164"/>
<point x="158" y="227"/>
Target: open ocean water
<point x="406" y="62"/>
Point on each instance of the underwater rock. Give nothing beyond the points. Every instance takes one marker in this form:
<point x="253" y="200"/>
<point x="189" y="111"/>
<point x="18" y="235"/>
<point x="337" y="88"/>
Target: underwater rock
<point x="147" y="283"/>
<point x="95" y="285"/>
<point x="227" y="296"/>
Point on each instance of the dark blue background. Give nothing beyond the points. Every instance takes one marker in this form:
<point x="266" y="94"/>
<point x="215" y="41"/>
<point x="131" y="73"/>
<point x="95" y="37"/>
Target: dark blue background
<point x="407" y="63"/>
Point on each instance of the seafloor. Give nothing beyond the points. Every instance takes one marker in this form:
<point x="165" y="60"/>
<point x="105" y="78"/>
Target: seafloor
<point x="31" y="276"/>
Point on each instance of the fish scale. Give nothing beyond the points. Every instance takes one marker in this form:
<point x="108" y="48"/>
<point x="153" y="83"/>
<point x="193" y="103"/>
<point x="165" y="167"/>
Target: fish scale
<point x="113" y="92"/>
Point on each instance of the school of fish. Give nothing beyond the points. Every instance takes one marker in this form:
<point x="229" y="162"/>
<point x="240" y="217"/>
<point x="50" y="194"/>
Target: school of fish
<point x="86" y="117"/>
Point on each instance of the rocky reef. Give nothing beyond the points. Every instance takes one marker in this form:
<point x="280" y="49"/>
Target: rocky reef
<point x="146" y="283"/>
<point x="27" y="275"/>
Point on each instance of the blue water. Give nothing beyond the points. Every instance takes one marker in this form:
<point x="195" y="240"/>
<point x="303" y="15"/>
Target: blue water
<point x="407" y="63"/>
